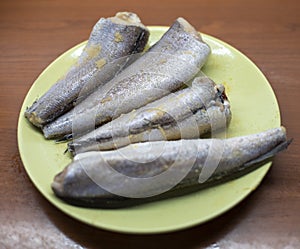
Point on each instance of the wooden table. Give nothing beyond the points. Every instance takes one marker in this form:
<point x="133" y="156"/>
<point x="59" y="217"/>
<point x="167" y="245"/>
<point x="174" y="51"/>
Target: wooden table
<point x="34" y="33"/>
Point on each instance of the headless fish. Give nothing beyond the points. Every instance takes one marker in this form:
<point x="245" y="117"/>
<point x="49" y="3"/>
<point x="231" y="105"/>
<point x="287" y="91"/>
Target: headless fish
<point x="111" y="41"/>
<point x="175" y="59"/>
<point x="188" y="113"/>
<point x="150" y="171"/>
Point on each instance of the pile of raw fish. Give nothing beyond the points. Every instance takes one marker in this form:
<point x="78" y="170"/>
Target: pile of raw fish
<point x="135" y="119"/>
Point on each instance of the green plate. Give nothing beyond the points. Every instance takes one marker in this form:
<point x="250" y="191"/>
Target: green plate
<point x="254" y="109"/>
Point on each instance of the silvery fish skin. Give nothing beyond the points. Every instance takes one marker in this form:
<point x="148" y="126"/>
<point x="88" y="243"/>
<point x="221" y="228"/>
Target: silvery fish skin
<point x="111" y="41"/>
<point x="176" y="58"/>
<point x="79" y="183"/>
<point x="187" y="113"/>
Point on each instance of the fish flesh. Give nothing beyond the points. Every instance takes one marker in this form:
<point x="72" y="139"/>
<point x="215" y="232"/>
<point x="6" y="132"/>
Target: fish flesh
<point x="111" y="41"/>
<point x="151" y="171"/>
<point x="188" y="113"/>
<point x="175" y="59"/>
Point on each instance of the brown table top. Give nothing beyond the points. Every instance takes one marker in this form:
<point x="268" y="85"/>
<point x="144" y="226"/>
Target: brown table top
<point x="34" y="33"/>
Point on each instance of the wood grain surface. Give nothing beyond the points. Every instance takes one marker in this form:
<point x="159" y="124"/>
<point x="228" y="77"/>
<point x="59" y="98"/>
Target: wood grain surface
<point x="34" y="33"/>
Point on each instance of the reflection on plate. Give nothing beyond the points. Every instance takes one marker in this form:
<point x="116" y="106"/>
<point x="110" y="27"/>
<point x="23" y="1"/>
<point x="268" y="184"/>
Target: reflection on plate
<point x="254" y="108"/>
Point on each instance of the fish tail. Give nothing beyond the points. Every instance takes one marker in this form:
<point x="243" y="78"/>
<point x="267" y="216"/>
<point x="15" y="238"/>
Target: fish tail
<point x="267" y="156"/>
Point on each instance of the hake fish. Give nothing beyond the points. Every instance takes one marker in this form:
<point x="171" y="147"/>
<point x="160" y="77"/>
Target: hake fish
<point x="175" y="59"/>
<point x="111" y="41"/>
<point x="140" y="173"/>
<point x="187" y="113"/>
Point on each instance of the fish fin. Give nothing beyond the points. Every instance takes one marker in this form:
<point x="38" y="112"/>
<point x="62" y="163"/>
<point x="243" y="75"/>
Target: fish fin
<point x="64" y="138"/>
<point x="71" y="147"/>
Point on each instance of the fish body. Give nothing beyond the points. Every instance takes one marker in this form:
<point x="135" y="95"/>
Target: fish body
<point x="150" y="171"/>
<point x="111" y="41"/>
<point x="175" y="59"/>
<point x="187" y="113"/>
